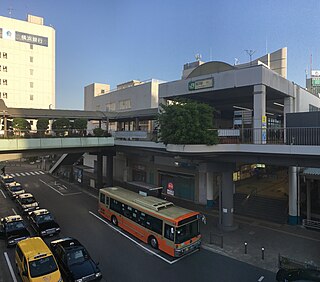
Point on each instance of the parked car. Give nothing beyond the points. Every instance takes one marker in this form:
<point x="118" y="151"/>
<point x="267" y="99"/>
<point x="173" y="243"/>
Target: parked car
<point x="14" y="189"/>
<point x="43" y="223"/>
<point x="27" y="203"/>
<point x="299" y="274"/>
<point x="13" y="229"/>
<point x="74" y="260"/>
<point x="6" y="180"/>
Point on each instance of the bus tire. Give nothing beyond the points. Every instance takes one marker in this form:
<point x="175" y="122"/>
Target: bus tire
<point x="153" y="242"/>
<point x="114" y="220"/>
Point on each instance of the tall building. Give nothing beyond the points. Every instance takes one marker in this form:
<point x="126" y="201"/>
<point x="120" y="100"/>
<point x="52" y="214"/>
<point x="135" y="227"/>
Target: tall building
<point x="27" y="63"/>
<point x="313" y="84"/>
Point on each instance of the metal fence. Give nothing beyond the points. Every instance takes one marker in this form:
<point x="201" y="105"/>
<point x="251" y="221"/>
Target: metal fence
<point x="289" y="263"/>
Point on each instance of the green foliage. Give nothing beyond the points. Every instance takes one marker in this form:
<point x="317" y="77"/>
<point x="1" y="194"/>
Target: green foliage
<point x="80" y="124"/>
<point x="60" y="126"/>
<point x="98" y="132"/>
<point x="21" y="124"/>
<point x="42" y="125"/>
<point x="187" y="122"/>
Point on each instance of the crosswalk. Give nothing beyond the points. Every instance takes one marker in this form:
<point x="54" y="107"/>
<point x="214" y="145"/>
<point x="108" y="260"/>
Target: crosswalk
<point x="36" y="172"/>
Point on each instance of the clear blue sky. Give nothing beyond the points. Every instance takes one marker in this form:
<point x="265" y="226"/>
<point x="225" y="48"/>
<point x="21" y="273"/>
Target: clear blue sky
<point x="117" y="41"/>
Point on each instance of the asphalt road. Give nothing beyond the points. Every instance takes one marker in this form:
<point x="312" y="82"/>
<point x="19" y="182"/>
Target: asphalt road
<point x="120" y="256"/>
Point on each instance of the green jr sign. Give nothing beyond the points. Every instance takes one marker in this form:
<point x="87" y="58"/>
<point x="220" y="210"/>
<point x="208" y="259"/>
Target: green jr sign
<point x="201" y="84"/>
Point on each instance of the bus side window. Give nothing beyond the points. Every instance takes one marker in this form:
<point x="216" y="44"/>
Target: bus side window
<point x="169" y="232"/>
<point x="107" y="201"/>
<point x="116" y="206"/>
<point x="102" y="198"/>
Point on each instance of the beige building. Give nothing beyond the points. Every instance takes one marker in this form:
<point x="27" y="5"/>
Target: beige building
<point x="27" y="63"/>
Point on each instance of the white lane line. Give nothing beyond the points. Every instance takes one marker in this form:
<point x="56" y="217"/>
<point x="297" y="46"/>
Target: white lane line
<point x="37" y="172"/>
<point x="3" y="194"/>
<point x="14" y="211"/>
<point x="143" y="247"/>
<point x="27" y="173"/>
<point x="41" y="172"/>
<point x="17" y="174"/>
<point x="22" y="174"/>
<point x="72" y="194"/>
<point x="32" y="173"/>
<point x="12" y="174"/>
<point x="14" y="278"/>
<point x="51" y="187"/>
<point x="261" y="278"/>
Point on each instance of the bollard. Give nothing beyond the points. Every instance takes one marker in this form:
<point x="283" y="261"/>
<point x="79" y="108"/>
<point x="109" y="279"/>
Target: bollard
<point x="245" y="247"/>
<point x="262" y="253"/>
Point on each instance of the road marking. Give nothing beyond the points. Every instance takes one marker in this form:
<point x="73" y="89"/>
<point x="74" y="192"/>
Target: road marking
<point x="69" y="194"/>
<point x="134" y="241"/>
<point x="37" y="172"/>
<point x="12" y="174"/>
<point x="261" y="278"/>
<point x="14" y="278"/>
<point x="32" y="173"/>
<point x="41" y="172"/>
<point x="17" y="174"/>
<point x="14" y="211"/>
<point x="22" y="174"/>
<point x="3" y="194"/>
<point x="27" y="173"/>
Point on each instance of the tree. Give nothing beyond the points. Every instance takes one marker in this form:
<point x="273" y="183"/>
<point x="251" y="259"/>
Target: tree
<point x="60" y="126"/>
<point x="187" y="122"/>
<point x="21" y="125"/>
<point x="98" y="132"/>
<point x="42" y="126"/>
<point x="80" y="125"/>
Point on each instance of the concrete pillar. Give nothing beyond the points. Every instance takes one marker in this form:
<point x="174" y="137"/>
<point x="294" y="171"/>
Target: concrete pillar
<point x="227" y="190"/>
<point x="109" y="170"/>
<point x="294" y="203"/>
<point x="202" y="188"/>
<point x="209" y="178"/>
<point x="259" y="114"/>
<point x="99" y="170"/>
<point x="309" y="183"/>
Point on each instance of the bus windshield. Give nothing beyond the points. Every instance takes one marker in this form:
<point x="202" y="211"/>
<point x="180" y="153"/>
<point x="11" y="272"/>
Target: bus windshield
<point x="186" y="232"/>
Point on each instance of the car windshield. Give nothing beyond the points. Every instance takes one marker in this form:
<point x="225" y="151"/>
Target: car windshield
<point x="9" y="180"/>
<point x="42" y="266"/>
<point x="44" y="218"/>
<point x="11" y="226"/>
<point x="186" y="232"/>
<point x="29" y="200"/>
<point x="78" y="255"/>
<point x="15" y="188"/>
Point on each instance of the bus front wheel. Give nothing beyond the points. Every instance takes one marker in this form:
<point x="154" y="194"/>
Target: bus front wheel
<point x="114" y="220"/>
<point x="153" y="242"/>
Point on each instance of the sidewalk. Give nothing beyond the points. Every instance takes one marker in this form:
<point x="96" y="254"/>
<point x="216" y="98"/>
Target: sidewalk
<point x="294" y="242"/>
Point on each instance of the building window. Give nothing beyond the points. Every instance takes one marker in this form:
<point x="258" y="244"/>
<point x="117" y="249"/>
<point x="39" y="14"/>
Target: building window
<point x="111" y="107"/>
<point x="31" y="84"/>
<point x="102" y="91"/>
<point x="31" y="46"/>
<point x="4" y="68"/>
<point x="31" y="71"/>
<point x="4" y="95"/>
<point x="31" y="97"/>
<point x="125" y="104"/>
<point x="31" y="59"/>
<point x="4" y="55"/>
<point x="4" y="82"/>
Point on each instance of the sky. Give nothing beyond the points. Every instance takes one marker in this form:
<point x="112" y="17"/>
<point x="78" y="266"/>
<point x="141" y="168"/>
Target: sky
<point x="114" y="41"/>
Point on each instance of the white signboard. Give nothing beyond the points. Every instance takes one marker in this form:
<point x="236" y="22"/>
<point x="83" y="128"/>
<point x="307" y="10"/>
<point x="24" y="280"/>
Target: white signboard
<point x="315" y="73"/>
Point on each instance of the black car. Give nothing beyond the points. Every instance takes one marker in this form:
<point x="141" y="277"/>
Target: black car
<point x="13" y="229"/>
<point x="299" y="274"/>
<point x="14" y="189"/>
<point x="6" y="180"/>
<point x="74" y="261"/>
<point x="27" y="203"/>
<point x="43" y="223"/>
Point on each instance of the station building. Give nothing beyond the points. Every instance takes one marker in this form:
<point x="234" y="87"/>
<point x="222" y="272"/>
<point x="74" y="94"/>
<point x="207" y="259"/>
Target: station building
<point x="251" y="104"/>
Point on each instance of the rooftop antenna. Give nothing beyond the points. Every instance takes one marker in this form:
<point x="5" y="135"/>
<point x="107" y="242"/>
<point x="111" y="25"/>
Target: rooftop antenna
<point x="250" y="53"/>
<point x="198" y="57"/>
<point x="236" y="61"/>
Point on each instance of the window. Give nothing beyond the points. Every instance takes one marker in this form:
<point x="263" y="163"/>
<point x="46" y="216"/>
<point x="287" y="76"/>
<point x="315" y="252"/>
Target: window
<point x="102" y="91"/>
<point x="169" y="232"/>
<point x="31" y="46"/>
<point x="4" y="95"/>
<point x="5" y="68"/>
<point x="125" y="104"/>
<point x="116" y="206"/>
<point x="111" y="107"/>
<point x="4" y="82"/>
<point x="31" y="71"/>
<point x="31" y="59"/>
<point x="31" y="84"/>
<point x="4" y="55"/>
<point x="31" y="97"/>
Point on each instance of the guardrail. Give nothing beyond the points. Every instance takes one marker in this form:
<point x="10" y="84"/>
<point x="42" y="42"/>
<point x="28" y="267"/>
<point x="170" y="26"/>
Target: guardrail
<point x="311" y="224"/>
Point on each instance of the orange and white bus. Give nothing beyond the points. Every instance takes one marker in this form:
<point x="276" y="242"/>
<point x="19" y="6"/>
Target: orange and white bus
<point x="173" y="230"/>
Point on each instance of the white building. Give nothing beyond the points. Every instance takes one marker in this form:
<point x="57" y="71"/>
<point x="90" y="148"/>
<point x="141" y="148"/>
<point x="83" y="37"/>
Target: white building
<point x="27" y="63"/>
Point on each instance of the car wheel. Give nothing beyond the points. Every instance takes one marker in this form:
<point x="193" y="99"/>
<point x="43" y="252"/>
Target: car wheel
<point x="153" y="242"/>
<point x="114" y="220"/>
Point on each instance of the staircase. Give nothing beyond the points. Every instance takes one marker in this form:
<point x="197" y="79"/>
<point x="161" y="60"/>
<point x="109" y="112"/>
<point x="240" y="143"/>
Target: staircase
<point x="66" y="159"/>
<point x="269" y="209"/>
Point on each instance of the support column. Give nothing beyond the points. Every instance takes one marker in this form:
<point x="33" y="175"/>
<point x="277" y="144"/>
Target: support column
<point x="259" y="114"/>
<point x="99" y="170"/>
<point x="294" y="203"/>
<point x="202" y="188"/>
<point x="226" y="210"/>
<point x="309" y="183"/>
<point x="288" y="107"/>
<point x="109" y="170"/>
<point x="209" y="178"/>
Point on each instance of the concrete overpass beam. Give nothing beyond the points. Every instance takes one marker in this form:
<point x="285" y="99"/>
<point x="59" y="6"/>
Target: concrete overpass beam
<point x="99" y="170"/>
<point x="259" y="113"/>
